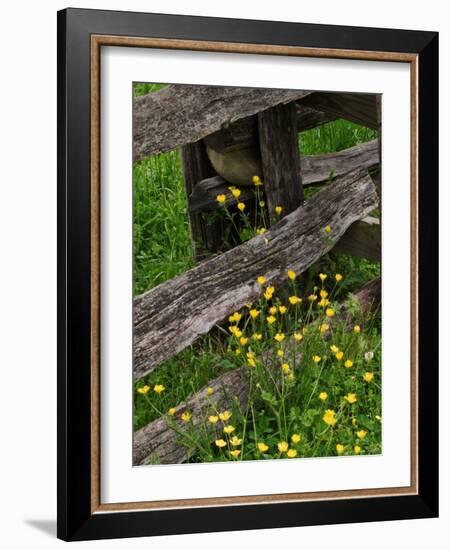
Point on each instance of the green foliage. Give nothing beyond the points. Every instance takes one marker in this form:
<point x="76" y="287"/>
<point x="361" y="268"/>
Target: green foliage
<point x="334" y="136"/>
<point x="142" y="88"/>
<point x="162" y="245"/>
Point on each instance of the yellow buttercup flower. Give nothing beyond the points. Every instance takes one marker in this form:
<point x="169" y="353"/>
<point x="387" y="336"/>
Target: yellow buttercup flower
<point x="143" y="389"/>
<point x="298" y="336"/>
<point x="257" y="336"/>
<point x="283" y="446"/>
<point x="279" y="337"/>
<point x="317" y="358"/>
<point x="213" y="419"/>
<point x="254" y="313"/>
<point x="229" y="429"/>
<point x="334" y="348"/>
<point x="294" y="300"/>
<point x="221" y="199"/>
<point x="280" y="352"/>
<point x="292" y="453"/>
<point x="351" y="398"/>
<point x="159" y="388"/>
<point x="273" y="310"/>
<point x="368" y="376"/>
<point x="186" y="416"/>
<point x="356" y="329"/>
<point x="322" y="276"/>
<point x="282" y="309"/>
<point x="172" y="411"/>
<point x="361" y="434"/>
<point x="357" y="449"/>
<point x="225" y="415"/>
<point x="261" y="231"/>
<point x="237" y="333"/>
<point x="278" y="210"/>
<point x="329" y="417"/>
<point x="329" y="312"/>
<point x="241" y="206"/>
<point x="296" y="438"/>
<point x="323" y="302"/>
<point x="312" y="297"/>
<point x="339" y="355"/>
<point x="348" y="363"/>
<point x="235" y="441"/>
<point x="271" y="319"/>
<point x="235" y="192"/>
<point x="338" y="277"/>
<point x="210" y="390"/>
<point x="220" y="443"/>
<point x="256" y="180"/>
<point x="235" y="453"/>
<point x="327" y="229"/>
<point x="235" y="318"/>
<point x="324" y="327"/>
<point x="291" y="275"/>
<point x="243" y="340"/>
<point x="233" y="329"/>
<point x="323" y="395"/>
<point x="251" y="362"/>
<point x="237" y="351"/>
<point x="323" y="293"/>
<point x="269" y="292"/>
<point x="340" y="448"/>
<point x="285" y="368"/>
<point x="261" y="279"/>
<point x="262" y="447"/>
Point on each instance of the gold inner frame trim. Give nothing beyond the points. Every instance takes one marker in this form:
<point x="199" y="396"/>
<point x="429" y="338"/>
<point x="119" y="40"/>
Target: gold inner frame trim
<point x="97" y="41"/>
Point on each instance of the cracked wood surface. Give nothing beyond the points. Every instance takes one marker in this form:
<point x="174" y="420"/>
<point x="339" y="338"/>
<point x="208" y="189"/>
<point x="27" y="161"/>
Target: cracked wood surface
<point x="180" y="113"/>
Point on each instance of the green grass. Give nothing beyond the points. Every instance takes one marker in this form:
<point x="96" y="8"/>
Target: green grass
<point x="163" y="249"/>
<point x="162" y="244"/>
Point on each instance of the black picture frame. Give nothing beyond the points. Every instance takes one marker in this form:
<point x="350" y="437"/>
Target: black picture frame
<point x="76" y="521"/>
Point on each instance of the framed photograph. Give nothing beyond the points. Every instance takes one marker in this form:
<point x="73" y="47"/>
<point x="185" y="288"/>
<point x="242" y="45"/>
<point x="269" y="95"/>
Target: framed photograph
<point x="247" y="274"/>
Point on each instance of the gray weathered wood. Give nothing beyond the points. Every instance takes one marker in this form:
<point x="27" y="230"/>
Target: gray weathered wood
<point x="362" y="239"/>
<point x="180" y="113"/>
<point x="243" y="133"/>
<point x="157" y="441"/>
<point x="358" y="108"/>
<point x="171" y="316"/>
<point x="280" y="158"/>
<point x="196" y="167"/>
<point x="315" y="169"/>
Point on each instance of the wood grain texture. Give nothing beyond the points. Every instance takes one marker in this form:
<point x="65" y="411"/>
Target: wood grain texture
<point x="173" y="315"/>
<point x="315" y="170"/>
<point x="362" y="239"/>
<point x="358" y="108"/>
<point x="196" y="166"/>
<point x="244" y="132"/>
<point x="180" y="114"/>
<point x="280" y="159"/>
<point x="158" y="441"/>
